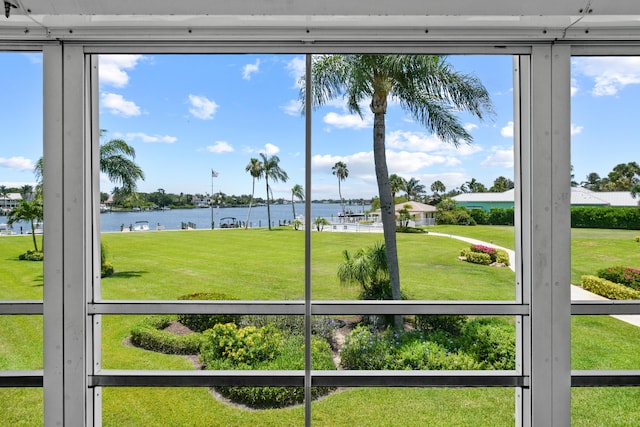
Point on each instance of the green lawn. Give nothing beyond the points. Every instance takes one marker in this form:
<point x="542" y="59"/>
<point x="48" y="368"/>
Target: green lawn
<point x="257" y="264"/>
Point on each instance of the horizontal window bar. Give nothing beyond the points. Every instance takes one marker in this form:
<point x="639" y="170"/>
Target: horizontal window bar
<point x="317" y="307"/>
<point x="605" y="378"/>
<point x="121" y="378"/>
<point x="21" y="378"/>
<point x="21" y="307"/>
<point x="605" y="307"/>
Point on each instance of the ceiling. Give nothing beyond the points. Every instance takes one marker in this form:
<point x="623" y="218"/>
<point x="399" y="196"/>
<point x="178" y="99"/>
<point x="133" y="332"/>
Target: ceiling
<point x="407" y="19"/>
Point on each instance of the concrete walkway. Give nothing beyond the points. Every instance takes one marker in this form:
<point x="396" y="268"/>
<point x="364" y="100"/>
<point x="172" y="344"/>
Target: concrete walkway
<point x="577" y="293"/>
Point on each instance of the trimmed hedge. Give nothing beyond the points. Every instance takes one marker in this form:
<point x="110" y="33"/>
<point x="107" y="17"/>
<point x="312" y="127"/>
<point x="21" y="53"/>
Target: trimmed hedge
<point x="608" y="289"/>
<point x="150" y="335"/>
<point x="476" y="257"/>
<point x="605" y="217"/>
<point x="627" y="276"/>
<point x="202" y="322"/>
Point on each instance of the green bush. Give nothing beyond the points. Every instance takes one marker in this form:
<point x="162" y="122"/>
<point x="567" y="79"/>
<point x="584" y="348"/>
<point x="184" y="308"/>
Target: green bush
<point x="637" y="238"/>
<point x="242" y="347"/>
<point x="490" y="341"/>
<point x="605" y="217"/>
<point x="500" y="216"/>
<point x="608" y="289"/>
<point x="451" y="324"/>
<point x="202" y="322"/>
<point x="480" y="216"/>
<point x="150" y="335"/>
<point x="291" y="324"/>
<point x="366" y="349"/>
<point x="31" y="255"/>
<point x="106" y="269"/>
<point x="430" y="355"/>
<point x="626" y="276"/>
<point x="409" y="230"/>
<point x="478" y="257"/>
<point x="457" y="216"/>
<point x="290" y="357"/>
<point x="502" y="257"/>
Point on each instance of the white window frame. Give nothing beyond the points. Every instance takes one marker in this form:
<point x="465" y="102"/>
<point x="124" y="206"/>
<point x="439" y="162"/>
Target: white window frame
<point x="72" y="377"/>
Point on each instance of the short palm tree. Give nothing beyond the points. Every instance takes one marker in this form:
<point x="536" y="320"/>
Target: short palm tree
<point x="297" y="192"/>
<point x="425" y="86"/>
<point x="341" y="171"/>
<point x="413" y="188"/>
<point x="30" y="211"/>
<point x="397" y="183"/>
<point x="271" y="169"/>
<point x="255" y="169"/>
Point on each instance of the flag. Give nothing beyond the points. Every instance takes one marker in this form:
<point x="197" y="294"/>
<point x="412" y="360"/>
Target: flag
<point x="214" y="174"/>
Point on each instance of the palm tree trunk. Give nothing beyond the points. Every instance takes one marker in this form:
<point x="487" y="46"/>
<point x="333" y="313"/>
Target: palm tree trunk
<point x="387" y="207"/>
<point x="33" y="236"/>
<point x="294" y="207"/>
<point x="253" y="189"/>
<point x="341" y="201"/>
<point x="268" y="207"/>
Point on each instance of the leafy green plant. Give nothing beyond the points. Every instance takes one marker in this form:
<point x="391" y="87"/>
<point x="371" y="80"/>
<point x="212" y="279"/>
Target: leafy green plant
<point x="451" y="324"/>
<point x="626" y="276"/>
<point x="490" y="341"/>
<point x="202" y="322"/>
<point x="240" y="346"/>
<point x="607" y="288"/>
<point x="31" y="255"/>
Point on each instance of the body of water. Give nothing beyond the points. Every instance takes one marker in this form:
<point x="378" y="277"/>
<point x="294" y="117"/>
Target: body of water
<point x="201" y="217"/>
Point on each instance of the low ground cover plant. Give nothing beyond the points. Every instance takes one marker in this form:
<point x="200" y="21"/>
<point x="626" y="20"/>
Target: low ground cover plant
<point x="481" y="343"/>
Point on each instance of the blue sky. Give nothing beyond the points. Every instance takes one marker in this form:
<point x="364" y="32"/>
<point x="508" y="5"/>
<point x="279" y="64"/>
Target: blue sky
<point x="186" y="115"/>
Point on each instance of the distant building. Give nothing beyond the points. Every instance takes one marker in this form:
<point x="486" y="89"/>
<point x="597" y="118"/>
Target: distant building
<point x="9" y="201"/>
<point x="420" y="213"/>
<point x="579" y="197"/>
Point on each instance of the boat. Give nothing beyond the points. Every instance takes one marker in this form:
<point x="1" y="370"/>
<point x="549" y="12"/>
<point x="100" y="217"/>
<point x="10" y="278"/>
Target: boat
<point x="229" y="222"/>
<point x="141" y="226"/>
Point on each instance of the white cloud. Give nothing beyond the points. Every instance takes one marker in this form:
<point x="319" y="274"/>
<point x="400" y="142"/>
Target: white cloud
<point x="507" y="131"/>
<point x="296" y="69"/>
<point x="119" y="106"/>
<point x="352" y="121"/>
<point x="151" y="138"/>
<point x="292" y="108"/>
<point x="112" y="69"/>
<point x="576" y="129"/>
<point x="499" y="157"/>
<point x="574" y="86"/>
<point x="270" y="149"/>
<point x="419" y="141"/>
<point x="609" y="74"/>
<point x="250" y="69"/>
<point x="18" y="163"/>
<point x="470" y="126"/>
<point x="201" y="107"/>
<point x="220" y="147"/>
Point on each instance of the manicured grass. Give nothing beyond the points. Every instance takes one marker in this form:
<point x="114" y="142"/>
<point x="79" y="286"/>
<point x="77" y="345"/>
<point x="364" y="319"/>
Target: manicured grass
<point x="257" y="264"/>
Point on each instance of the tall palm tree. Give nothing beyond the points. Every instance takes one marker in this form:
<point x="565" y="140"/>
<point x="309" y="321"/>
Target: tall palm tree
<point x="256" y="171"/>
<point x="26" y="191"/>
<point x="425" y="86"/>
<point x="272" y="170"/>
<point x="340" y="170"/>
<point x="438" y="187"/>
<point x="296" y="192"/>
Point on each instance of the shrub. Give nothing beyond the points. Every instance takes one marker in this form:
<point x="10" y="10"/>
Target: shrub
<point x="490" y="341"/>
<point x="106" y="269"/>
<point x="321" y="326"/>
<point x="149" y="334"/>
<point x="605" y="217"/>
<point x="31" y="255"/>
<point x="430" y="355"/>
<point x="480" y="216"/>
<point x="291" y="356"/>
<point x="607" y="288"/>
<point x="502" y="257"/>
<point x="202" y="322"/>
<point x="409" y="230"/>
<point x="457" y="216"/>
<point x="500" y="216"/>
<point x="626" y="276"/>
<point x="365" y="349"/>
<point x="240" y="346"/>
<point x="451" y="324"/>
<point x="638" y="239"/>
<point x="478" y="258"/>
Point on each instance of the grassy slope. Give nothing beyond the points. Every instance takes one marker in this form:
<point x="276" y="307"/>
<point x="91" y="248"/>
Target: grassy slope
<point x="257" y="264"/>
